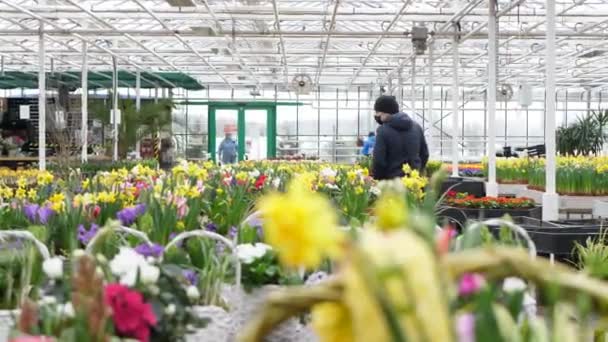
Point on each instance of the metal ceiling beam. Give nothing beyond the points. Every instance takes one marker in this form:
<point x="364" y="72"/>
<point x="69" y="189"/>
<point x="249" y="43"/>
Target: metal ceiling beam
<point x="330" y="29"/>
<point x="291" y="14"/>
<point x="51" y="23"/>
<point x="378" y="42"/>
<point x="185" y="43"/>
<point x="234" y="51"/>
<point x="277" y="20"/>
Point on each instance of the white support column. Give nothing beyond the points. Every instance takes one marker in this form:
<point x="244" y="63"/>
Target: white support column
<point x="398" y="89"/>
<point x="550" y="197"/>
<point x="431" y="139"/>
<point x="455" y="98"/>
<point x="413" y="90"/>
<point x="41" y="101"/>
<point x="492" y="186"/>
<point x="84" y="128"/>
<point x="115" y="108"/>
<point x="138" y="108"/>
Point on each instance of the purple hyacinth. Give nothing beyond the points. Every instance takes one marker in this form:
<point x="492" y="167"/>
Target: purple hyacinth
<point x="44" y="214"/>
<point x="211" y="227"/>
<point x="84" y="235"/>
<point x="38" y="214"/>
<point x="140" y="209"/>
<point x="233" y="232"/>
<point x="191" y="276"/>
<point x="127" y="216"/>
<point x="150" y="250"/>
<point x="31" y="212"/>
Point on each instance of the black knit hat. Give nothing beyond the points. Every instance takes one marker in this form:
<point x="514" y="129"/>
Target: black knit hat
<point x="386" y="104"/>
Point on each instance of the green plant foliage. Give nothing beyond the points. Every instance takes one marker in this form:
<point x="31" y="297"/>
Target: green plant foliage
<point x="153" y="118"/>
<point x="584" y="137"/>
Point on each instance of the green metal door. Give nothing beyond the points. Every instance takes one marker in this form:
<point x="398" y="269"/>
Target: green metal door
<point x="252" y="122"/>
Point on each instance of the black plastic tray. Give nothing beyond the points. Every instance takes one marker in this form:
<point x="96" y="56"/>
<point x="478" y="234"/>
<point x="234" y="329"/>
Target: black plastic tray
<point x="559" y="237"/>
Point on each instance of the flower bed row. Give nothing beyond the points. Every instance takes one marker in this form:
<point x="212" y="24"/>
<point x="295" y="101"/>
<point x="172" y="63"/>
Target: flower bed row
<point x="148" y="255"/>
<point x="575" y="176"/>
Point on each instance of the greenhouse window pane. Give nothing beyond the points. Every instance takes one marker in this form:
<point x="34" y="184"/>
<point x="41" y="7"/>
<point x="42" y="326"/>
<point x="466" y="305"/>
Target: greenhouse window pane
<point x="308" y="121"/>
<point x="287" y="120"/>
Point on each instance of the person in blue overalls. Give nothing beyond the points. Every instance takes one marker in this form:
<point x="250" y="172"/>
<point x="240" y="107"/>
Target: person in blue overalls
<point x="227" y="151"/>
<point x="368" y="145"/>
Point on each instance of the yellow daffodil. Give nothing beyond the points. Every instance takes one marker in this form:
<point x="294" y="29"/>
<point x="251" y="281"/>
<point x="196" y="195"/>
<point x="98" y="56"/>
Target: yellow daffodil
<point x="180" y="225"/>
<point x="57" y="201"/>
<point x="20" y="194"/>
<point x="44" y="178"/>
<point x="86" y="183"/>
<point x="332" y="322"/>
<point x="22" y="182"/>
<point x="32" y="194"/>
<point x="301" y="226"/>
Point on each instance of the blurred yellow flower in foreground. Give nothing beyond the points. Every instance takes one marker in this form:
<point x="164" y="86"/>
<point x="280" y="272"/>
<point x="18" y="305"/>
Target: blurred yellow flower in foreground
<point x="332" y="322"/>
<point x="400" y="269"/>
<point x="391" y="211"/>
<point x="301" y="226"/>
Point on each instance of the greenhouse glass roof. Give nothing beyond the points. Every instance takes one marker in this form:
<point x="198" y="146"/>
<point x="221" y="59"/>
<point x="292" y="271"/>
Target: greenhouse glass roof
<point x="265" y="43"/>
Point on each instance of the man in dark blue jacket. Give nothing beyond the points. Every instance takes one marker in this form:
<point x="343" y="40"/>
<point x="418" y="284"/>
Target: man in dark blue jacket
<point x="399" y="141"/>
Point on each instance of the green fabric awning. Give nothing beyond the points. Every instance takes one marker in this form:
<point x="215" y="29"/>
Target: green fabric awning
<point x="100" y="79"/>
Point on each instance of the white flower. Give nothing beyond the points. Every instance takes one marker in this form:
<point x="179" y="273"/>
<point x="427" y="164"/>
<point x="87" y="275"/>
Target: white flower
<point x="254" y="174"/>
<point x="192" y="292"/>
<point x="53" y="267"/>
<point x="66" y="310"/>
<point x="375" y="190"/>
<point x="149" y="274"/>
<point x="47" y="300"/>
<point x="127" y="260"/>
<point x="513" y="284"/>
<point x="276" y="183"/>
<point x="248" y="253"/>
<point x="328" y="173"/>
<point x="77" y="253"/>
<point x="170" y="310"/>
<point x="128" y="263"/>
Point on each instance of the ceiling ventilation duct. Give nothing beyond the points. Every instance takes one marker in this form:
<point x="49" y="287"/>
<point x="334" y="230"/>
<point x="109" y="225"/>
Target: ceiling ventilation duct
<point x="301" y="84"/>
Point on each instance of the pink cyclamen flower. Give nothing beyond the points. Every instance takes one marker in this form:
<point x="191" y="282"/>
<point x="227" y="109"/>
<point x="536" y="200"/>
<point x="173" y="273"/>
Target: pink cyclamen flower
<point x="470" y="283"/>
